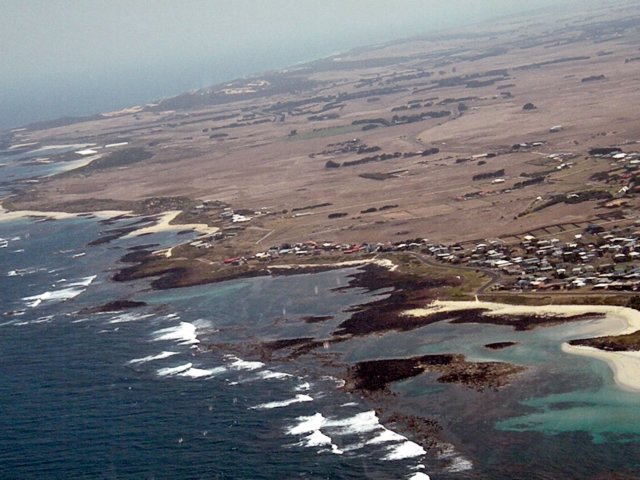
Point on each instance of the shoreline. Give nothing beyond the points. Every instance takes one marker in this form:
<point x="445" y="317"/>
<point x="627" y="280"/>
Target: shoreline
<point x="625" y="365"/>
<point x="10" y="215"/>
<point x="163" y="220"/>
<point x="163" y="224"/>
<point x="301" y="267"/>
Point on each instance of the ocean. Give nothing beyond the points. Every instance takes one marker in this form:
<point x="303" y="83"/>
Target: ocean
<point x="181" y="388"/>
<point x="137" y="394"/>
<point x="163" y="391"/>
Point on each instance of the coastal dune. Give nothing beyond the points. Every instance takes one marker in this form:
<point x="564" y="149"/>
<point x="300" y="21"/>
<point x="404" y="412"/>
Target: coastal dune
<point x="617" y="321"/>
<point x="164" y="225"/>
<point x="7" y="216"/>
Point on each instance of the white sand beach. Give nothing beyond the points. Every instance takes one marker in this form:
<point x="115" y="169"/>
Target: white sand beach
<point x="385" y="263"/>
<point x="7" y="216"/>
<point x="624" y="365"/>
<point x="164" y="225"/>
<point x="618" y="321"/>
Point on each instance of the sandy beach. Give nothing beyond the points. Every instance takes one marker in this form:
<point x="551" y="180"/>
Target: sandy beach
<point x="618" y="321"/>
<point x="385" y="263"/>
<point x="164" y="225"/>
<point x="7" y="216"/>
<point x="624" y="365"/>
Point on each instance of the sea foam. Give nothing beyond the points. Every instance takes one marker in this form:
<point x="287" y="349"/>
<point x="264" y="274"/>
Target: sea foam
<point x="71" y="291"/>
<point x="184" y="334"/>
<point x="284" y="403"/>
<point x="51" y="296"/>
<point x="169" y="371"/>
<point x="270" y="374"/>
<point x="129" y="317"/>
<point x="317" y="439"/>
<point x="151" y="358"/>
<point x="201" y="372"/>
<point x="360" y="423"/>
<point x="307" y="424"/>
<point x="419" y="476"/>
<point x="314" y="437"/>
<point x="83" y="282"/>
<point x="457" y="462"/>
<point x="385" y="437"/>
<point x="240" y="364"/>
<point x="404" y="450"/>
<point x="300" y="398"/>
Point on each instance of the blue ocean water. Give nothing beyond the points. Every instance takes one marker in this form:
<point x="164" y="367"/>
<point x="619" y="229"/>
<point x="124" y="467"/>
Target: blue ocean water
<point x="177" y="389"/>
<point x="137" y="394"/>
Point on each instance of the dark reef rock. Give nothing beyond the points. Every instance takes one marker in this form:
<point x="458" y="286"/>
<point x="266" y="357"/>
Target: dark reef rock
<point x="500" y="345"/>
<point x="526" y="322"/>
<point x="317" y="318"/>
<point x="115" y="306"/>
<point x="376" y="375"/>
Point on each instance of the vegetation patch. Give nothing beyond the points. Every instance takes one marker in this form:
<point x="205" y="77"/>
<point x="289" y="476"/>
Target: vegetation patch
<point x="120" y="158"/>
<point x="484" y="176"/>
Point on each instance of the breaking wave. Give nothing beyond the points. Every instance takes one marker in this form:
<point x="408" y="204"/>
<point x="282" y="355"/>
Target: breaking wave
<point x="239" y="364"/>
<point x="184" y="334"/>
<point x="151" y="358"/>
<point x="129" y="317"/>
<point x="71" y="291"/>
<point x="300" y="398"/>
<point x="407" y="449"/>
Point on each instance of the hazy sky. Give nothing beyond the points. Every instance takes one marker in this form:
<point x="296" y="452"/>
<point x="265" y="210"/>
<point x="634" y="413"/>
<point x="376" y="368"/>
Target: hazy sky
<point x="119" y="46"/>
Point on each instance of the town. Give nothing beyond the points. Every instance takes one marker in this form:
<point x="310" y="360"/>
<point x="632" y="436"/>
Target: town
<point x="597" y="257"/>
<point x="591" y="255"/>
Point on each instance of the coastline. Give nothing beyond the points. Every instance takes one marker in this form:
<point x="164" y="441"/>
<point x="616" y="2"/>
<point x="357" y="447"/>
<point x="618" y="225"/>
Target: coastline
<point x="164" y="224"/>
<point x="7" y="215"/>
<point x="301" y="267"/>
<point x="625" y="365"/>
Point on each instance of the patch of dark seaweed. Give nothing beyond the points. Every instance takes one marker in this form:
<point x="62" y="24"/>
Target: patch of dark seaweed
<point x="480" y="375"/>
<point x="500" y="345"/>
<point x="317" y="318"/>
<point x="125" y="216"/>
<point x="525" y="322"/>
<point x="146" y="246"/>
<point x="388" y="314"/>
<point x="287" y="349"/>
<point x="372" y="277"/>
<point x="286" y="343"/>
<point x="376" y="375"/>
<point x="115" y="306"/>
<point x="308" y="347"/>
<point x="425" y="431"/>
<point x="616" y="343"/>
<point x="136" y="256"/>
<point x="301" y="270"/>
<point x="111" y="235"/>
<point x="408" y="291"/>
<point x="112" y="220"/>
